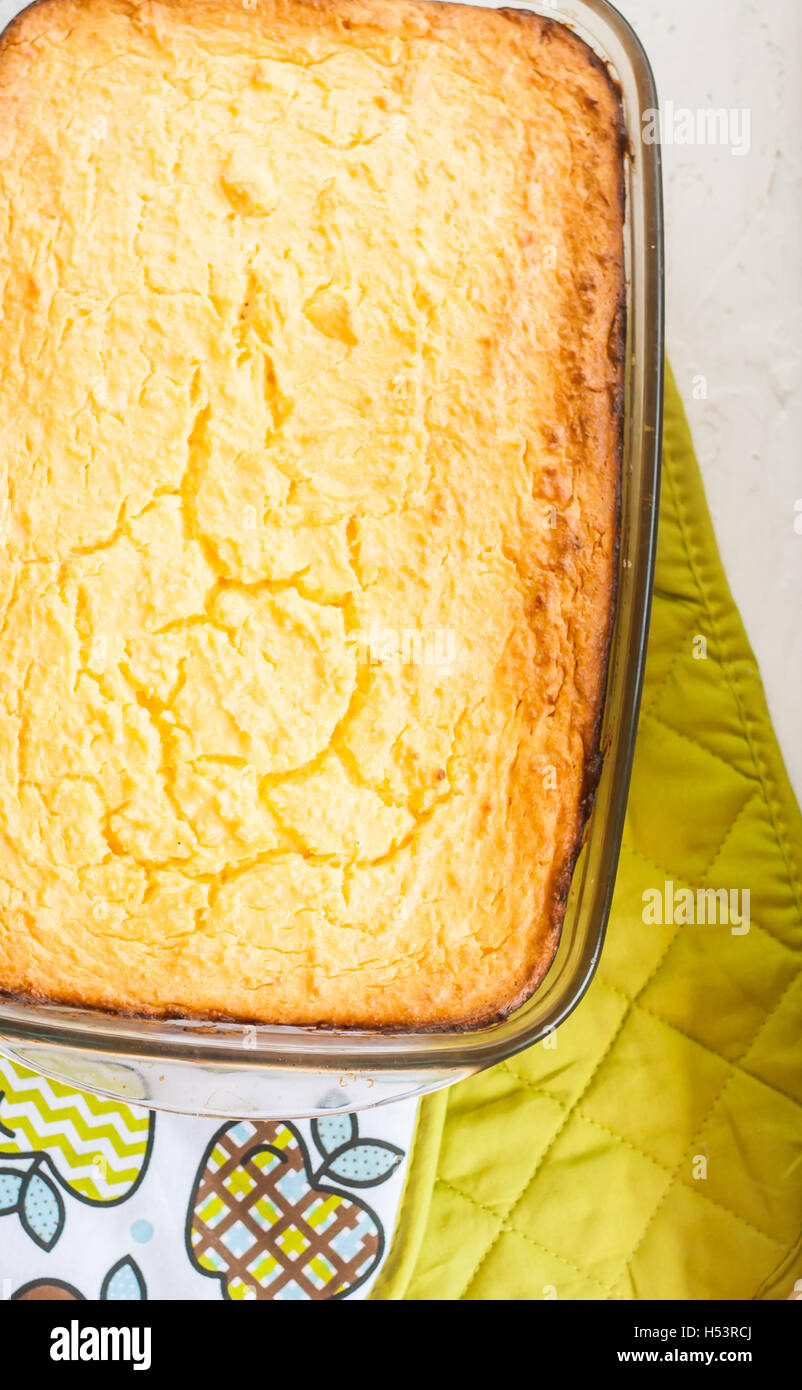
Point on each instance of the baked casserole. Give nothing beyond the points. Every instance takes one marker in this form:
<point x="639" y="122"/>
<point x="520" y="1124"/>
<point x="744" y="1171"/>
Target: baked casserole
<point x="310" y="390"/>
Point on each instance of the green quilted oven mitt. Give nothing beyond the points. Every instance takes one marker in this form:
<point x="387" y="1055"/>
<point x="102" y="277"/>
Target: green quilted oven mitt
<point x="652" y="1148"/>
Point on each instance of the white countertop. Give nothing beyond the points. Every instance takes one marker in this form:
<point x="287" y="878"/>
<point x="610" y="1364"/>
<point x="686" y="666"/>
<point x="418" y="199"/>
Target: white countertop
<point x="734" y="258"/>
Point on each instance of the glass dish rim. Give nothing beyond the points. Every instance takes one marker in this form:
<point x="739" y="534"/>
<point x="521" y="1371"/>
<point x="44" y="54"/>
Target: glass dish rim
<point x="266" y="1046"/>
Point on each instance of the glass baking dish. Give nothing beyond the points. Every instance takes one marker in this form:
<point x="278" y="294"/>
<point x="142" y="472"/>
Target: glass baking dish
<point x="232" y="1069"/>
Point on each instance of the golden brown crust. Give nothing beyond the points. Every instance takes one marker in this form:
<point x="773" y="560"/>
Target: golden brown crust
<point x="312" y="371"/>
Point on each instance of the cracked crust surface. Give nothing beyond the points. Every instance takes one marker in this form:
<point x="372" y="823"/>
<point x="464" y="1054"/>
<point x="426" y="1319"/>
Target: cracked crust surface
<point x="310" y="391"/>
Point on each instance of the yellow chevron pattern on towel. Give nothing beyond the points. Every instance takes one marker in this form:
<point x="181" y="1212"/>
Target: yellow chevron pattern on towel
<point x="98" y="1148"/>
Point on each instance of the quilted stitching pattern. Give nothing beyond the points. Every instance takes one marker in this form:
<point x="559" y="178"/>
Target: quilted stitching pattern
<point x="656" y="1151"/>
